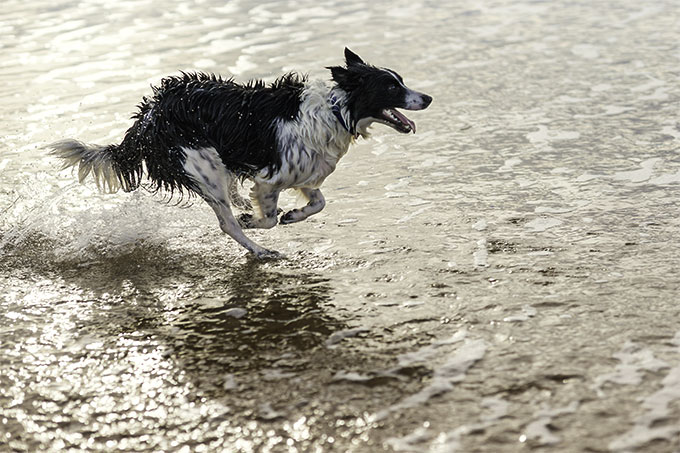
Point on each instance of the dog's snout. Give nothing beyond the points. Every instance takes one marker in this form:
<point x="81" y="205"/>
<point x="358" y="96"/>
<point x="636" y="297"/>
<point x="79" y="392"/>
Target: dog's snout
<point x="417" y="101"/>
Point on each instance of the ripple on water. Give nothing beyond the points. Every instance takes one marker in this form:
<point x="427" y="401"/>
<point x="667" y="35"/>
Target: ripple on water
<point x="658" y="421"/>
<point x="466" y="285"/>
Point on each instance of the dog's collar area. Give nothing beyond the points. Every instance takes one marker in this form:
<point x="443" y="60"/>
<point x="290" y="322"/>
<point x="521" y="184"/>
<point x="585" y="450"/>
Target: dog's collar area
<point x="337" y="111"/>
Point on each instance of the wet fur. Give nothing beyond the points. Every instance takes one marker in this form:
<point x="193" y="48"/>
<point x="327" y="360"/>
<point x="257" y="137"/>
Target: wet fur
<point x="202" y="134"/>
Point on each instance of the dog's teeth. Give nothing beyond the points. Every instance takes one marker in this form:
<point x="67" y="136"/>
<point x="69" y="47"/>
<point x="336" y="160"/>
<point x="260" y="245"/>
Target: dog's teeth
<point x="390" y="114"/>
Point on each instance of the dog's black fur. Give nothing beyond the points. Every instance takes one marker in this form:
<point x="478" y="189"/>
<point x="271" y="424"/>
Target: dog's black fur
<point x="199" y="133"/>
<point x="197" y="110"/>
<point x="370" y="90"/>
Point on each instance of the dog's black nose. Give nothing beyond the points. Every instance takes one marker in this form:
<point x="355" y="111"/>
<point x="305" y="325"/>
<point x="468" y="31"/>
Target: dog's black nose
<point x="427" y="100"/>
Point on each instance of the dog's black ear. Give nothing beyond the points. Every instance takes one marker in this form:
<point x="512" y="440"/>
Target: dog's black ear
<point x="352" y="59"/>
<point x="339" y="74"/>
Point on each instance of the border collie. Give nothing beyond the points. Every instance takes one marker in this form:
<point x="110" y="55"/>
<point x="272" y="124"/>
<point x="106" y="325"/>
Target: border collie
<point x="202" y="134"/>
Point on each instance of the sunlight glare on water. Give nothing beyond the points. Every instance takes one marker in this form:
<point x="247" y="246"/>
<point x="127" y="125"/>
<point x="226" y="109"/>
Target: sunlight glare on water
<point x="504" y="280"/>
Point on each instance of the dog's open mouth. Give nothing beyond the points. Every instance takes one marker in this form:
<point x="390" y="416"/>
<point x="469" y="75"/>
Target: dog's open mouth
<point x="398" y="121"/>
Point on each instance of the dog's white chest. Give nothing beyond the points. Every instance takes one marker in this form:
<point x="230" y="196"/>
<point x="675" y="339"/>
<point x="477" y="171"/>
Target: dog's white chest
<point x="302" y="166"/>
<point x="311" y="145"/>
<point x="306" y="167"/>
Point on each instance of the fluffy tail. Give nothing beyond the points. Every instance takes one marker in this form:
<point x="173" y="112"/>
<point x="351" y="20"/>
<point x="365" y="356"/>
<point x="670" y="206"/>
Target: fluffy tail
<point x="110" y="168"/>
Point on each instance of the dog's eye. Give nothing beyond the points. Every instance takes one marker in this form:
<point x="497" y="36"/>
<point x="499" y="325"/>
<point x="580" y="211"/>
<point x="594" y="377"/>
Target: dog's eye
<point x="392" y="87"/>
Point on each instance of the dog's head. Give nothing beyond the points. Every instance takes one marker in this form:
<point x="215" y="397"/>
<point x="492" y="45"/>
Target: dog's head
<point x="374" y="95"/>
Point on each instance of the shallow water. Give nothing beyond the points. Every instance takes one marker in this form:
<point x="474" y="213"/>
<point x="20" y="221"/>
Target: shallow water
<point x="505" y="280"/>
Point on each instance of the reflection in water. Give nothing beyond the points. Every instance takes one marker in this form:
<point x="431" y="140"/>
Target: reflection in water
<point x="163" y="330"/>
<point x="534" y="214"/>
<point x="254" y="305"/>
<point x="264" y="315"/>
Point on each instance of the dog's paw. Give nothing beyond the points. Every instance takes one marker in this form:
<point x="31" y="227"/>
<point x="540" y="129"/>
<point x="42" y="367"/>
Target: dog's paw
<point x="292" y="216"/>
<point x="246" y="221"/>
<point x="269" y="255"/>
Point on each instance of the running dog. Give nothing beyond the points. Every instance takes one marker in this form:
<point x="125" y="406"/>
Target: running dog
<point x="203" y="134"/>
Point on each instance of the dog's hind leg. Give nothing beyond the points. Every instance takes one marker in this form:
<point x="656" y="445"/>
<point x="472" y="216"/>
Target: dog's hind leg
<point x="316" y="203"/>
<point x="230" y="226"/>
<point x="212" y="181"/>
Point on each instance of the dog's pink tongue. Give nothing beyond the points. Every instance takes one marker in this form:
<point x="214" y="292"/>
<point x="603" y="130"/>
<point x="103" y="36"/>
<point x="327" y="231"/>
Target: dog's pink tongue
<point x="404" y="120"/>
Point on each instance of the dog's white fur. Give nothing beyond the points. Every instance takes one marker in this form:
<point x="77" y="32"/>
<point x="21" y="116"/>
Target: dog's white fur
<point x="312" y="145"/>
<point x="310" y="149"/>
<point x="295" y="133"/>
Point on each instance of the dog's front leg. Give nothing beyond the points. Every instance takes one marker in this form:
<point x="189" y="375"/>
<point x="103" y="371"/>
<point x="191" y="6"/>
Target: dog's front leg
<point x="265" y="199"/>
<point x="316" y="203"/>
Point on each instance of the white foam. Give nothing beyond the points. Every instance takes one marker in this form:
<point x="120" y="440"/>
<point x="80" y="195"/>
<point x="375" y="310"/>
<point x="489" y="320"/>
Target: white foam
<point x="337" y="337"/>
<point x="587" y="51"/>
<point x="657" y="421"/>
<point x="539" y="430"/>
<point x="450" y="441"/>
<point x="550" y="210"/>
<point x="634" y="361"/>
<point x="480" y="225"/>
<point x="236" y="312"/>
<point x="660" y="94"/>
<point x="666" y="178"/>
<point x="410" y="442"/>
<point x="601" y="87"/>
<point x="400" y="184"/>
<point x="673" y="130"/>
<point x="585" y="177"/>
<point x="652" y="84"/>
<point x="205" y="63"/>
<point x="645" y="12"/>
<point x="413" y="214"/>
<point x="497" y="408"/>
<point x="544" y="135"/>
<point x="481" y="254"/>
<point x="527" y="312"/>
<point x="509" y="164"/>
<point x="640" y="175"/>
<point x="616" y="109"/>
<point x="351" y="376"/>
<point x="444" y="377"/>
<point x="230" y="382"/>
<point x="242" y="65"/>
<point x="413" y="9"/>
<point x="275" y="374"/>
<point x="423" y="354"/>
<point x="571" y="100"/>
<point x="306" y="14"/>
<point x="266" y="412"/>
<point x="543" y="223"/>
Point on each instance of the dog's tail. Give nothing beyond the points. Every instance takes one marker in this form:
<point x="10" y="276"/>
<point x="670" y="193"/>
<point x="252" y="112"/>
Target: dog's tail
<point x="112" y="168"/>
